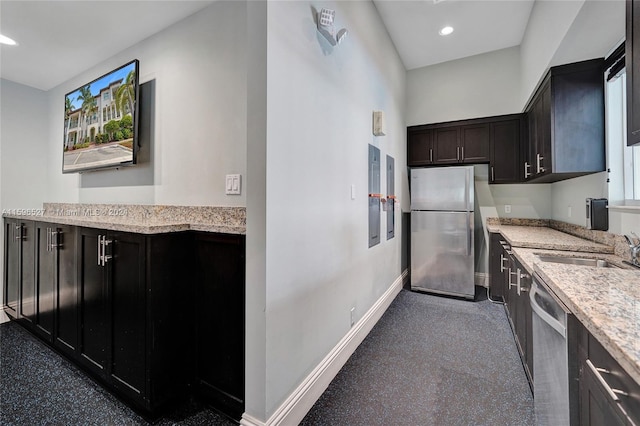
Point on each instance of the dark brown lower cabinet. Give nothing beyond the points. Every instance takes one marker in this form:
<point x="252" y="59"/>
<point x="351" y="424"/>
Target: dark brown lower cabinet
<point x="148" y="316"/>
<point x="220" y="320"/>
<point x="117" y="304"/>
<point x="496" y="276"/>
<point x="12" y="262"/>
<point x="131" y="336"/>
<point x="508" y="273"/>
<point x="608" y="395"/>
<point x="65" y="335"/>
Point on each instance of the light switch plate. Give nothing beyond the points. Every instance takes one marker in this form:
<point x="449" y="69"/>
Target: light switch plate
<point x="233" y="185"/>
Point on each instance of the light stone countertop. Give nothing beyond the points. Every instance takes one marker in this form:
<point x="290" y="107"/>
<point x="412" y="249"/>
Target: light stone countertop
<point x="605" y="300"/>
<point x="141" y="219"/>
<point x="547" y="238"/>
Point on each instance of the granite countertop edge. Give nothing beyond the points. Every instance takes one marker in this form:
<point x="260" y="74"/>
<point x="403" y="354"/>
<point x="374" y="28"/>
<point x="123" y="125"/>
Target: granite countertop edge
<point x="575" y="286"/>
<point x="139" y="226"/>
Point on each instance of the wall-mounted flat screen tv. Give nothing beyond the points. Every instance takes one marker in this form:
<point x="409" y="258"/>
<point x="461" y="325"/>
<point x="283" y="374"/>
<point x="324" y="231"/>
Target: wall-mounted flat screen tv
<point x="101" y="122"/>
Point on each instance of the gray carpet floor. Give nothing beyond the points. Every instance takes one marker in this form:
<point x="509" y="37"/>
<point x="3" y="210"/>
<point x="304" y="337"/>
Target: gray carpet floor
<point x="431" y="361"/>
<point x="40" y="387"/>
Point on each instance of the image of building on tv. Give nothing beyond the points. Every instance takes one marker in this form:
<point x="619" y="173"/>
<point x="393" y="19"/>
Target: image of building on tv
<point x="100" y="121"/>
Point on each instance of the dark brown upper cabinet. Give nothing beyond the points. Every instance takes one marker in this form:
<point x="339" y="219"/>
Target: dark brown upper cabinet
<point x="420" y="147"/>
<point x="504" y="166"/>
<point x="565" y="118"/>
<point x="632" y="60"/>
<point x="457" y="142"/>
<point x="493" y="140"/>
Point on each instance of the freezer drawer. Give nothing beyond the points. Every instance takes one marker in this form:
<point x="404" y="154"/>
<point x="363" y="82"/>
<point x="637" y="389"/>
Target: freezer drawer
<point x="442" y="259"/>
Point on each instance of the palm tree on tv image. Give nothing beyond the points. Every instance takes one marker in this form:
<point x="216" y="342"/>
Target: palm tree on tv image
<point x="68" y="108"/>
<point x="125" y="94"/>
<point x="88" y="107"/>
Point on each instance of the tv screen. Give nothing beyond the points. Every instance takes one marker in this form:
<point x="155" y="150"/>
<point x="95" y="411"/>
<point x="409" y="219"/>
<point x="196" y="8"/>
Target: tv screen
<point x="101" y="122"/>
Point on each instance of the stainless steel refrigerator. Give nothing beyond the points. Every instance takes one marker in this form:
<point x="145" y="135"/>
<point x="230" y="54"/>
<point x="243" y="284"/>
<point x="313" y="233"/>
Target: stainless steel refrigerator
<point x="442" y="259"/>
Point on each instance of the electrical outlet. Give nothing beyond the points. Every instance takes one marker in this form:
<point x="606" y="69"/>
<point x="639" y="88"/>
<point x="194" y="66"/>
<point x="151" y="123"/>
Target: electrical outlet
<point x="353" y="314"/>
<point x="507" y="208"/>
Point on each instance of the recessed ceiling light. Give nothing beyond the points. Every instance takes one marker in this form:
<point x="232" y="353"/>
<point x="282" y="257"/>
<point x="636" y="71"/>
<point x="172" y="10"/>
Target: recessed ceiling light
<point x="446" y="30"/>
<point x="6" y="40"/>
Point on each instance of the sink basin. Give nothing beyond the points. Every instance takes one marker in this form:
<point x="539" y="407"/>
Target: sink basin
<point x="598" y="263"/>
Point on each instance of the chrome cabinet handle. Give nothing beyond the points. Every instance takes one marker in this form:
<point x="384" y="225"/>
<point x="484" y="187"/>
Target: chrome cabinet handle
<point x="510" y="283"/>
<point x="457" y="153"/>
<point x="105" y="257"/>
<point x="48" y="239"/>
<point x="54" y="239"/>
<point x="431" y="155"/>
<point x="99" y="250"/>
<point x="539" y="168"/>
<point x="613" y="393"/>
<point x="519" y="276"/>
<point x="502" y="259"/>
<point x="527" y="166"/>
<point x="462" y="156"/>
<point x="493" y="175"/>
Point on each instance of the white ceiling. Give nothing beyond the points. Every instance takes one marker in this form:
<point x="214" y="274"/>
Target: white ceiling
<point x="480" y="26"/>
<point x="60" y="39"/>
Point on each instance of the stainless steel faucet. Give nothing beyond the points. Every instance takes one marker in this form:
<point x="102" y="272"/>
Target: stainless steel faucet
<point x="634" y="248"/>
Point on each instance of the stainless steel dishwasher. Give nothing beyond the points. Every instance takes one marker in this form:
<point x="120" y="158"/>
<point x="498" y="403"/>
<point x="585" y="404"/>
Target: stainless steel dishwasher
<point x="550" y="356"/>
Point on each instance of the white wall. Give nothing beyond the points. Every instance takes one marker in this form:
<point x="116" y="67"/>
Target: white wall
<point x="547" y="27"/>
<point x="478" y="86"/>
<point x="23" y="140"/>
<point x="319" y="103"/>
<point x="23" y="152"/>
<point x="198" y="129"/>
<point x="568" y="197"/>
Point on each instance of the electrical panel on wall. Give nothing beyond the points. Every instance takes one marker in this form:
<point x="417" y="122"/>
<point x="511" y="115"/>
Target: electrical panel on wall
<point x="391" y="198"/>
<point x="374" y="196"/>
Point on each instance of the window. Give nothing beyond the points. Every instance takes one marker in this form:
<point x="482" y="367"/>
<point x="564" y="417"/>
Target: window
<point x="624" y="161"/>
<point x="106" y="96"/>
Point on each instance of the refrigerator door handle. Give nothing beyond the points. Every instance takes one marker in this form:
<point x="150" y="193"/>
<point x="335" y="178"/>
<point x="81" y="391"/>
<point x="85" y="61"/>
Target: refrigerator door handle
<point x="469" y="219"/>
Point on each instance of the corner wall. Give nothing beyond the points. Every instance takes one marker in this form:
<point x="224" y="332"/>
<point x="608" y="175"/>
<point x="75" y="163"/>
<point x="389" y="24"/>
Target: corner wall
<point x="478" y="86"/>
<point x="319" y="125"/>
<point x="23" y="152"/>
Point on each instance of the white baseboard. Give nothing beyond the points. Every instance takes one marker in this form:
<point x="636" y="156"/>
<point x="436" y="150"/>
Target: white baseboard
<point x="296" y="406"/>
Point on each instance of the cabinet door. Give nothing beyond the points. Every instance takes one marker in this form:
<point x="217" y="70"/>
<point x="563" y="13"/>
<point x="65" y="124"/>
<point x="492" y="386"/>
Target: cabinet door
<point x="632" y="55"/>
<point x="27" y="273"/>
<point x="66" y="305"/>
<point x="542" y="161"/>
<point x="92" y="283"/>
<point x="220" y="320"/>
<point x="595" y="407"/>
<point x="496" y="276"/>
<point x="529" y="167"/>
<point x="446" y="149"/>
<point x="419" y="148"/>
<point x="474" y="143"/>
<point x="128" y="313"/>
<point x="505" y="152"/>
<point x="45" y="278"/>
<point x="11" y="288"/>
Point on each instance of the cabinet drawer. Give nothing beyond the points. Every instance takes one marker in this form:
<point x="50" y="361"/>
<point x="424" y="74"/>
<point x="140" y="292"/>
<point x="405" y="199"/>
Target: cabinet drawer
<point x="615" y="378"/>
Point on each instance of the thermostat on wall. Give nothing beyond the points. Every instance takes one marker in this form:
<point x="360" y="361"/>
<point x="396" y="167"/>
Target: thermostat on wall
<point x="378" y="123"/>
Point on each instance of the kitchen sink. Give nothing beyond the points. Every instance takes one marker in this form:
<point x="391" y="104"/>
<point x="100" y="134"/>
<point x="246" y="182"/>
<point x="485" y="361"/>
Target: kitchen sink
<point x="598" y="263"/>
